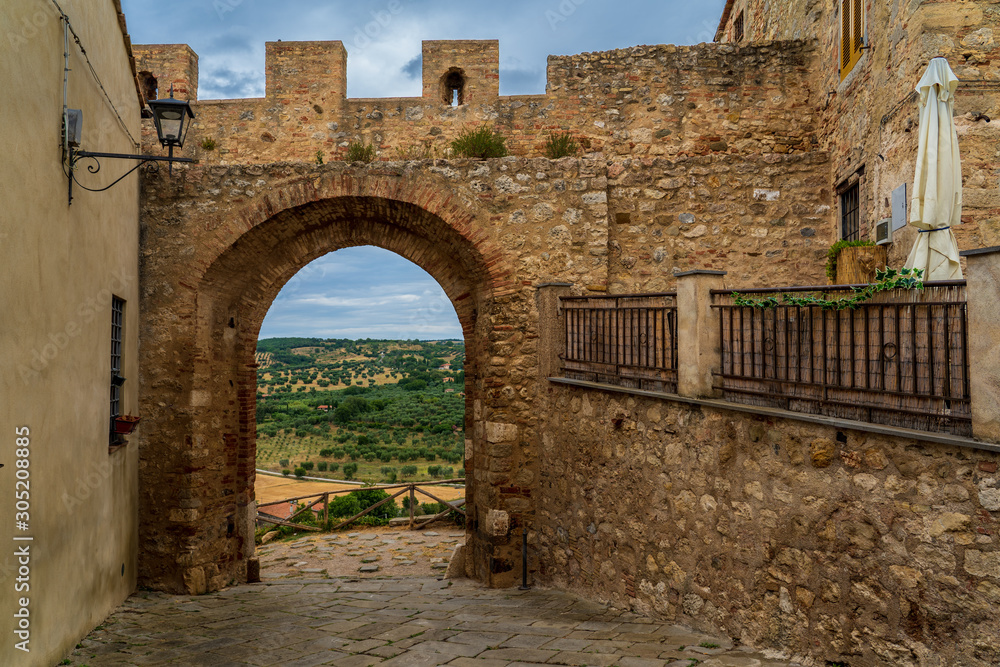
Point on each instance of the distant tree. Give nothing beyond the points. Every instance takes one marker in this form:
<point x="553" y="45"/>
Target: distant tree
<point x="300" y="472"/>
<point x="307" y="465"/>
<point x="286" y="472"/>
<point x="369" y="497"/>
<point x="409" y="470"/>
<point x="344" y="506"/>
<point x="349" y="470"/>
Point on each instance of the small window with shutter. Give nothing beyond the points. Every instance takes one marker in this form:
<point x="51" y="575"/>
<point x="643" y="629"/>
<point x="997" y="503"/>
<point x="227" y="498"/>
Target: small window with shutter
<point x="852" y="34"/>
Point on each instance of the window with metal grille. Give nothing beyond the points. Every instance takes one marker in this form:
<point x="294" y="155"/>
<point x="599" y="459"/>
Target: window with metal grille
<point x="850" y="213"/>
<point x="738" y="28"/>
<point x="852" y="34"/>
<point x="117" y="322"/>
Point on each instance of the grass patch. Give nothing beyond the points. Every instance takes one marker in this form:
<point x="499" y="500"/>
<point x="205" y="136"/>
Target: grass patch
<point x="360" y="152"/>
<point x="560" y="144"/>
<point x="483" y="142"/>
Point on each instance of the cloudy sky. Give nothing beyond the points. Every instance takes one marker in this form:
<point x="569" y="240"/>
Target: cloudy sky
<point x="366" y="292"/>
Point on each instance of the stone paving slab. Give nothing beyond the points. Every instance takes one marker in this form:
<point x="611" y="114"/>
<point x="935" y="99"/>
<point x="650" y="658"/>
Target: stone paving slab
<point x="410" y="622"/>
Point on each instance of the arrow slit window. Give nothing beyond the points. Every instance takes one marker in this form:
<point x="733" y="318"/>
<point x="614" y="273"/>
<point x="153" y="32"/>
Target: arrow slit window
<point x="852" y="34"/>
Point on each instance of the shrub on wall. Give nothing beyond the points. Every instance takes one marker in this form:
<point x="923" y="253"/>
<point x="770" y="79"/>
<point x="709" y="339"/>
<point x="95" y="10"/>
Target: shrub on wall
<point x="482" y="142"/>
<point x="360" y="152"/>
<point x="560" y="144"/>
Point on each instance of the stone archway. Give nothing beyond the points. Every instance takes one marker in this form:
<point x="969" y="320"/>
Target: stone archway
<point x="209" y="275"/>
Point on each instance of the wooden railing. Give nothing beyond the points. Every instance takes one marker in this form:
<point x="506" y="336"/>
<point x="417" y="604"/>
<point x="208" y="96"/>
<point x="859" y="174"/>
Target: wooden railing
<point x="629" y="340"/>
<point x="320" y="502"/>
<point x="900" y="359"/>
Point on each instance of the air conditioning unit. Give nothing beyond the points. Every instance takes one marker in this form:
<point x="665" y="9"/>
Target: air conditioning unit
<point x="883" y="231"/>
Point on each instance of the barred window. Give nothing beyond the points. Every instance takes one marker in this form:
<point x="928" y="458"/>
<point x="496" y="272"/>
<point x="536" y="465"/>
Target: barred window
<point x="117" y="322"/>
<point x="850" y="213"/>
<point x="738" y="28"/>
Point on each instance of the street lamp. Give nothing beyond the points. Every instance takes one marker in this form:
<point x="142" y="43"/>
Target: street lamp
<point x="172" y="119"/>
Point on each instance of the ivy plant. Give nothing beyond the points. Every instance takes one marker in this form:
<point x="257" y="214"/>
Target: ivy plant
<point x="885" y="279"/>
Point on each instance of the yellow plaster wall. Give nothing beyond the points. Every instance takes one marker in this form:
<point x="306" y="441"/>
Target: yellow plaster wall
<point x="61" y="264"/>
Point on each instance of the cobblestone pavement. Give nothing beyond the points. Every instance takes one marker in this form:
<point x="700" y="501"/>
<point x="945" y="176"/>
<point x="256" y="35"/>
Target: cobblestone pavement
<point x="374" y="552"/>
<point x="401" y="621"/>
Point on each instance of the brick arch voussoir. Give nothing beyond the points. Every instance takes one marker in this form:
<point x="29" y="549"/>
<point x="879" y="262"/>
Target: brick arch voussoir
<point x="434" y="197"/>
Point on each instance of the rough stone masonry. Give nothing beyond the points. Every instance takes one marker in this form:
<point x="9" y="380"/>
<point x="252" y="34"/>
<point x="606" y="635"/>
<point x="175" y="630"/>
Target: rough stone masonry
<point x="836" y="544"/>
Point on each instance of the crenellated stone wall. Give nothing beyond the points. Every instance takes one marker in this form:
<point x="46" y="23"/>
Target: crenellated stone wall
<point x="644" y="100"/>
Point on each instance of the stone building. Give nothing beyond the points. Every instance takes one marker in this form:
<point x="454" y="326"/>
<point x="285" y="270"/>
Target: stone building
<point x="69" y="291"/>
<point x="707" y="167"/>
<point x="868" y="57"/>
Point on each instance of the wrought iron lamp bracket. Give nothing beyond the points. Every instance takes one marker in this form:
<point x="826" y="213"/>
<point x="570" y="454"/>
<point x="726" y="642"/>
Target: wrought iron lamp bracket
<point x="77" y="155"/>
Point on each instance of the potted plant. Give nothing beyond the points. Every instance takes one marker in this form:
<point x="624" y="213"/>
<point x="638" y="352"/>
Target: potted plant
<point x="125" y="424"/>
<point x="854" y="262"/>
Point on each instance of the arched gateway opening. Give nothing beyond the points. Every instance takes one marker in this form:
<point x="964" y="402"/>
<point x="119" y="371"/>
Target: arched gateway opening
<point x="199" y="381"/>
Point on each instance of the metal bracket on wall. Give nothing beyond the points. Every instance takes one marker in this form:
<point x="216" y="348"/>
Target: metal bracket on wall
<point x="76" y="156"/>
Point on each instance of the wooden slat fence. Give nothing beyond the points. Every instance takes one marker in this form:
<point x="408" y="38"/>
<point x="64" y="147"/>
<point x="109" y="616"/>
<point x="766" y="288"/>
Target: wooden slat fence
<point x="318" y="502"/>
<point x="900" y="359"/>
<point x="629" y="340"/>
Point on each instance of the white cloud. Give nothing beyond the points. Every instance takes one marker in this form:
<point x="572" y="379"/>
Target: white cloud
<point x="340" y="302"/>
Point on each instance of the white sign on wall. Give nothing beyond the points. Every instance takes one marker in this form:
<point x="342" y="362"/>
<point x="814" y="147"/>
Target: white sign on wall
<point x="899" y="207"/>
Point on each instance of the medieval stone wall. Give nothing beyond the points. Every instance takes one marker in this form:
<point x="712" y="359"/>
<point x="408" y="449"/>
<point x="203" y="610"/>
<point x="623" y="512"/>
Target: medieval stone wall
<point x="645" y="100"/>
<point x="842" y="545"/>
<point x="763" y="219"/>
<point x="219" y="242"/>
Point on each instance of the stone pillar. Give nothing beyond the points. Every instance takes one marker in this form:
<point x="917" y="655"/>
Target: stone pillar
<point x="698" y="345"/>
<point x="551" y="327"/>
<point x="983" y="293"/>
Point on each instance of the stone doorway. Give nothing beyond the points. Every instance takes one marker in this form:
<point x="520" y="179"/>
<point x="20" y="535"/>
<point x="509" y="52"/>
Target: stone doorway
<point x="209" y="279"/>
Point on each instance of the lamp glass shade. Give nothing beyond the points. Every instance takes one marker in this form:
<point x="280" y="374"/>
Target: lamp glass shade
<point x="172" y="119"/>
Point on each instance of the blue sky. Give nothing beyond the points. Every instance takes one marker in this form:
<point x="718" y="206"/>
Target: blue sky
<point x="367" y="292"/>
<point x="362" y="292"/>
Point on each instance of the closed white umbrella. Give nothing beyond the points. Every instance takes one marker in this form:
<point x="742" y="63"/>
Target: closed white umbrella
<point x="936" y="204"/>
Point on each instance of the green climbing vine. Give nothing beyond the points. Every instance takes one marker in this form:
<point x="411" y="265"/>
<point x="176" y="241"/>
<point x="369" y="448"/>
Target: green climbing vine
<point x="885" y="279"/>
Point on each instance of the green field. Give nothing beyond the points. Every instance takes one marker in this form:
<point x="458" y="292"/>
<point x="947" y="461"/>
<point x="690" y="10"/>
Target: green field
<point x="386" y="410"/>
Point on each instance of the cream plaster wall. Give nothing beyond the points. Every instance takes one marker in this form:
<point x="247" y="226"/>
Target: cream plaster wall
<point x="61" y="263"/>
